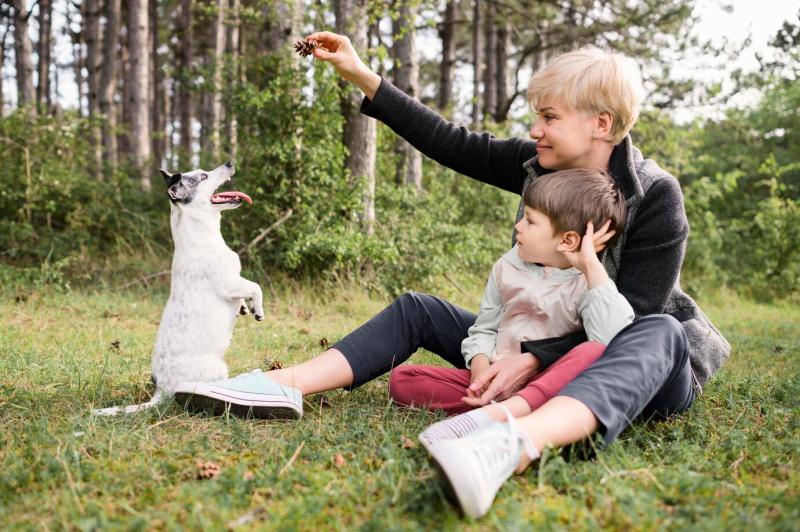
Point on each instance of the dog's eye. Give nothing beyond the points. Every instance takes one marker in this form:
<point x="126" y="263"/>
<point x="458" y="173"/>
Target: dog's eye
<point x="203" y="177"/>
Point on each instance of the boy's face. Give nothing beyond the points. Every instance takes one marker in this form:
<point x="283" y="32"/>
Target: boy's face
<point x="564" y="137"/>
<point x="536" y="241"/>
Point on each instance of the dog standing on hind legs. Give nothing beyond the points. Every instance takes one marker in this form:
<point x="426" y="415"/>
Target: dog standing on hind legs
<point x="206" y="291"/>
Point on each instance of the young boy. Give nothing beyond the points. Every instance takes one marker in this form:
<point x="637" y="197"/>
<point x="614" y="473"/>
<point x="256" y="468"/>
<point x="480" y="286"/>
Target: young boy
<point x="551" y="283"/>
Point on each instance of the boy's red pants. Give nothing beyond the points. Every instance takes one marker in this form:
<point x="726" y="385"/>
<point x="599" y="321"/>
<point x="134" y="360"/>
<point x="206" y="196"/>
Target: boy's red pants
<point x="440" y="388"/>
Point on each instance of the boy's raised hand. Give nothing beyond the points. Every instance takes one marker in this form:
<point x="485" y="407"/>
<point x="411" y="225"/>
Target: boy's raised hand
<point x="585" y="258"/>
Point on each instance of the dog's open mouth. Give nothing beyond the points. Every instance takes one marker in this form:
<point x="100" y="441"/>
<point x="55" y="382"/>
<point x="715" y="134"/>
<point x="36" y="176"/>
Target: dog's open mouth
<point x="232" y="196"/>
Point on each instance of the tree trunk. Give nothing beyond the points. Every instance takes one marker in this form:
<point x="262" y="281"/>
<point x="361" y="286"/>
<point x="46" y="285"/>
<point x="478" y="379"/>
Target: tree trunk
<point x="231" y="124"/>
<point x="77" y="52"/>
<point x="108" y="83"/>
<point x="185" y="85"/>
<point x="44" y="51"/>
<point x="406" y="78"/>
<point x="157" y="96"/>
<point x="212" y="137"/>
<point x="23" y="50"/>
<point x="2" y="66"/>
<point x="448" y="36"/>
<point x="359" y="131"/>
<point x="490" y="70"/>
<point x="138" y="77"/>
<point x="501" y="69"/>
<point x="93" y="47"/>
<point x="477" y="62"/>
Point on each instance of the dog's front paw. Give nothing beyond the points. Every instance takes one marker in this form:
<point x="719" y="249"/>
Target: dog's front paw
<point x="259" y="317"/>
<point x="243" y="310"/>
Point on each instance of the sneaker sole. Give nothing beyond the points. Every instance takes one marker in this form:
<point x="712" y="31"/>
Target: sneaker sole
<point x="202" y="398"/>
<point x="452" y="471"/>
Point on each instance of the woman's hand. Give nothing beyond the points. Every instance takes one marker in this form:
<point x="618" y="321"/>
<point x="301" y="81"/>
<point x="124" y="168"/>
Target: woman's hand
<point x="585" y="258"/>
<point x="337" y="50"/>
<point x="502" y="379"/>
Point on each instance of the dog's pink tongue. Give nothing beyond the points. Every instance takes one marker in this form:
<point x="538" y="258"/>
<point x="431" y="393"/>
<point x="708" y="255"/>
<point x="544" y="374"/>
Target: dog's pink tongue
<point x="233" y="195"/>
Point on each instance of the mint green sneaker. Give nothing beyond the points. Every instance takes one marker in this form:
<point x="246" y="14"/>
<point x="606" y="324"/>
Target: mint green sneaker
<point x="250" y="394"/>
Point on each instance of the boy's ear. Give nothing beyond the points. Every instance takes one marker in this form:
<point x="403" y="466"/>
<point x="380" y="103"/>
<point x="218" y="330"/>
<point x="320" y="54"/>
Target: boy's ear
<point x="570" y="241"/>
<point x="602" y="125"/>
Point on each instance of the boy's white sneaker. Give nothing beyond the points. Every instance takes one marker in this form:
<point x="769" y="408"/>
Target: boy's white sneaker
<point x="477" y="465"/>
<point x="250" y="394"/>
<point x="455" y="427"/>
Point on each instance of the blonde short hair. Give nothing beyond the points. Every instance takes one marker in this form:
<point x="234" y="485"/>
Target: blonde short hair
<point x="593" y="81"/>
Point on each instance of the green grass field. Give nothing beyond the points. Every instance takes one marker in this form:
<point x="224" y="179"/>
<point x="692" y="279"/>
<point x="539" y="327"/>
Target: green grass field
<point x="731" y="462"/>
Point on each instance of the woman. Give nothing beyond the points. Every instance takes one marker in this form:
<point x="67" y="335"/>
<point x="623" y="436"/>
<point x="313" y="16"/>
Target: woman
<point x="586" y="104"/>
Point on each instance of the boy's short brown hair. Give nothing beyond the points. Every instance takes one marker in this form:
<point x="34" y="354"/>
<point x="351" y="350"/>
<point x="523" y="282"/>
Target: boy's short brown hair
<point x="572" y="198"/>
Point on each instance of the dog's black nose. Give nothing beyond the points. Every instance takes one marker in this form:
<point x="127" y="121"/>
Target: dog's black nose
<point x="229" y="164"/>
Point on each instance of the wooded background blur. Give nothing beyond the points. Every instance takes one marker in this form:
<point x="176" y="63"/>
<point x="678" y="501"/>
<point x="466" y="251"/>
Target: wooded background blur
<point x="196" y="82"/>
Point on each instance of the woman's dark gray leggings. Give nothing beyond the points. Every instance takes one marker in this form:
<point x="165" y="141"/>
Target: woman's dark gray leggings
<point x="644" y="371"/>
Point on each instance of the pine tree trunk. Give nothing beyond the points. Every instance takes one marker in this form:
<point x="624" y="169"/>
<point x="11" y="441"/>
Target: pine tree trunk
<point x="359" y="131"/>
<point x="490" y="70"/>
<point x="2" y="66"/>
<point x="501" y="66"/>
<point x="138" y="77"/>
<point x="93" y="48"/>
<point x="447" y="67"/>
<point x="108" y="83"/>
<point x="406" y="78"/>
<point x="44" y="51"/>
<point x="477" y="62"/>
<point x="235" y="81"/>
<point x="157" y="96"/>
<point x="212" y="137"/>
<point x="124" y="107"/>
<point x="23" y="50"/>
<point x="185" y="85"/>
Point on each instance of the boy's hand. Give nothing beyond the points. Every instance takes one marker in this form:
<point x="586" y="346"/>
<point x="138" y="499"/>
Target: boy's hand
<point x="585" y="258"/>
<point x="502" y="379"/>
<point x="480" y="363"/>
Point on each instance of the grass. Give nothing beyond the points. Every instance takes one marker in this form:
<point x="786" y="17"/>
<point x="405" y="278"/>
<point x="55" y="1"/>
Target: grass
<point x="731" y="462"/>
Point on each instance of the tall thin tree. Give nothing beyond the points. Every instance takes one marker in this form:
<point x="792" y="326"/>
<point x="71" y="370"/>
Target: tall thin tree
<point x="108" y="83"/>
<point x="93" y="62"/>
<point x="185" y="57"/>
<point x="360" y="132"/>
<point x="23" y="50"/>
<point x="212" y="139"/>
<point x="406" y="78"/>
<point x="156" y="89"/>
<point x="447" y="34"/>
<point x="44" y="51"/>
<point x="477" y="61"/>
<point x="139" y="126"/>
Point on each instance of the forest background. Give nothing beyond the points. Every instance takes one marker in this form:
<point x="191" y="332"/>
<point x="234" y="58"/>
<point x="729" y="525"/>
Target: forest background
<point x="182" y="83"/>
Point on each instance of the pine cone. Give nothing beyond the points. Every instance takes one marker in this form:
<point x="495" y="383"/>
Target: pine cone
<point x="305" y="48"/>
<point x="206" y="470"/>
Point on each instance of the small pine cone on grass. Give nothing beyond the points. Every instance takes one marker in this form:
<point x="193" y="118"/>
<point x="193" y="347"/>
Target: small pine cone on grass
<point x="206" y="470"/>
<point x="305" y="48"/>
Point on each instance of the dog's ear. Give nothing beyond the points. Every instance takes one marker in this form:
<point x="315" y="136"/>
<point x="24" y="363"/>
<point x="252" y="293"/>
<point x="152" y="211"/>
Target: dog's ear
<point x="166" y="175"/>
<point x="170" y="179"/>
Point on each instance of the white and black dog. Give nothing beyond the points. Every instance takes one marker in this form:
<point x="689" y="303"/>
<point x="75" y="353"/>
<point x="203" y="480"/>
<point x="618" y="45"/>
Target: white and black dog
<point x="206" y="292"/>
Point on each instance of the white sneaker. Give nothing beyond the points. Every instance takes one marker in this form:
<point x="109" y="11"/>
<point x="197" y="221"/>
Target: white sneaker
<point x="455" y="427"/>
<point x="250" y="394"/>
<point x="477" y="465"/>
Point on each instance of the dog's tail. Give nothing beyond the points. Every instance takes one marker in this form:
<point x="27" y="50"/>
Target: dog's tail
<point x="157" y="398"/>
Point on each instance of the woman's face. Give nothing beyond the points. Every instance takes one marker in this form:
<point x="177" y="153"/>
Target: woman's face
<point x="564" y="137"/>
